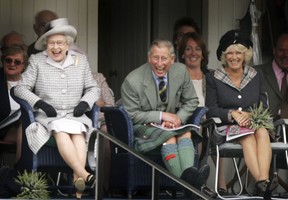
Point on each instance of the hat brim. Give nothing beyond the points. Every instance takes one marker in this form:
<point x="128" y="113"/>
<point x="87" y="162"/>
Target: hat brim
<point x="63" y="30"/>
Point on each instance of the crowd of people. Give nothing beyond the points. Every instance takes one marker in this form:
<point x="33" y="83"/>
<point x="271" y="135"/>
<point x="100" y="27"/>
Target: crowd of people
<point x="165" y="90"/>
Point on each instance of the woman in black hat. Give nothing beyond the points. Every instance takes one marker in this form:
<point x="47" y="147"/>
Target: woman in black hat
<point x="230" y="93"/>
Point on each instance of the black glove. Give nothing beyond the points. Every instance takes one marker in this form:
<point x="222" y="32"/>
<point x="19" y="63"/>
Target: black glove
<point x="47" y="108"/>
<point x="80" y="109"/>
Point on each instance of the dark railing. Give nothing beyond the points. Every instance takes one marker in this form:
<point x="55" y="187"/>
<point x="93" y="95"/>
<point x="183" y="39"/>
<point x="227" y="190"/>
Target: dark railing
<point x="156" y="169"/>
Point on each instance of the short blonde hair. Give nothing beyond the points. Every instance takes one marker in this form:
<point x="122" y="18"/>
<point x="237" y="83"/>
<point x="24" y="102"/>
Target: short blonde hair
<point x="248" y="53"/>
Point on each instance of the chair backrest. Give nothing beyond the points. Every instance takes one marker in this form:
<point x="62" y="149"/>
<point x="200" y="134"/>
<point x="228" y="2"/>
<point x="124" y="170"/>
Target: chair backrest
<point x="119" y="125"/>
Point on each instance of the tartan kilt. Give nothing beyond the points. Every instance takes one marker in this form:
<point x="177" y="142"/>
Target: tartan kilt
<point x="148" y="138"/>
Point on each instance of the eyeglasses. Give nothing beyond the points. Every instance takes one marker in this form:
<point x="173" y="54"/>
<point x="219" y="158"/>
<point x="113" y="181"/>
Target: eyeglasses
<point x="59" y="43"/>
<point x="10" y="61"/>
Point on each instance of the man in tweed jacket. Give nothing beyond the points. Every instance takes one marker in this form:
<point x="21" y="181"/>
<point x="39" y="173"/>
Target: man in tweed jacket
<point x="140" y="97"/>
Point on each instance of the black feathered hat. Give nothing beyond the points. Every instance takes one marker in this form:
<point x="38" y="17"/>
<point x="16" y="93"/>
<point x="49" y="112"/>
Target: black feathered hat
<point x="232" y="37"/>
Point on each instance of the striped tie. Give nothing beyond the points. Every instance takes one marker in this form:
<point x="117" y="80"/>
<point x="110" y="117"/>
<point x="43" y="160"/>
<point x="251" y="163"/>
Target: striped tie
<point x="162" y="89"/>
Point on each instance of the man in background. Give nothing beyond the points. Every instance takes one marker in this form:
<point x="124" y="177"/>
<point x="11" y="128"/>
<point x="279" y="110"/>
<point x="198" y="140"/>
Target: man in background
<point x="41" y="19"/>
<point x="10" y="39"/>
<point x="181" y="27"/>
<point x="275" y="74"/>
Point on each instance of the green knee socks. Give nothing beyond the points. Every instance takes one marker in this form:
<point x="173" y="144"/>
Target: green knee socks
<point x="186" y="153"/>
<point x="171" y="159"/>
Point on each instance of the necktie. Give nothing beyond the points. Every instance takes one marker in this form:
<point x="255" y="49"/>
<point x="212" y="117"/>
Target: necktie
<point x="284" y="105"/>
<point x="162" y="89"/>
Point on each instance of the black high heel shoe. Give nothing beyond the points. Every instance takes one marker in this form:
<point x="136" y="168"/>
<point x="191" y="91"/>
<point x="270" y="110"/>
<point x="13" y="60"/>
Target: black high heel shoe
<point x="262" y="189"/>
<point x="91" y="180"/>
<point x="79" y="185"/>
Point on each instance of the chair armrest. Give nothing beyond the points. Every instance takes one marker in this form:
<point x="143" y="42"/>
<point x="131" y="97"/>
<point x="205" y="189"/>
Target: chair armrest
<point x="209" y="125"/>
<point x="280" y="122"/>
<point x="280" y="125"/>
<point x="91" y="151"/>
<point x="197" y="115"/>
<point x="93" y="114"/>
<point x="26" y="109"/>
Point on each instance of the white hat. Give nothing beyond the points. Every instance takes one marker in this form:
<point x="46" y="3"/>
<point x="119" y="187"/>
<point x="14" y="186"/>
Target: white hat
<point x="57" y="26"/>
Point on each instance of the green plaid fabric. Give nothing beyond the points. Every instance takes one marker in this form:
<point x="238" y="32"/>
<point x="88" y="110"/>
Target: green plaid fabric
<point x="148" y="138"/>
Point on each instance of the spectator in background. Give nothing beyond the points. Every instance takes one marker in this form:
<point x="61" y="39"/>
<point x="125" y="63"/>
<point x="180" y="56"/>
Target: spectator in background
<point x="194" y="54"/>
<point x="106" y="99"/>
<point x="182" y="26"/>
<point x="40" y="20"/>
<point x="14" y="60"/>
<point x="12" y="38"/>
<point x="275" y="74"/>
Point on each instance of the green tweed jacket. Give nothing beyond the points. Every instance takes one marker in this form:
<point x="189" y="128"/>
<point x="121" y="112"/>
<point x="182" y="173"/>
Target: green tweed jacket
<point x="140" y="97"/>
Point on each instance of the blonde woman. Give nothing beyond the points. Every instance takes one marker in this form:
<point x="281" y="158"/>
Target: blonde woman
<point x="231" y="91"/>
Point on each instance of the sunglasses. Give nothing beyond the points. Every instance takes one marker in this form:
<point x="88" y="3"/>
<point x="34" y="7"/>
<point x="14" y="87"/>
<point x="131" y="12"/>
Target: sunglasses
<point x="10" y="61"/>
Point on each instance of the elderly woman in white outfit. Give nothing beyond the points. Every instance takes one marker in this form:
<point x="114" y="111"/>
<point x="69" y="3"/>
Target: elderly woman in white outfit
<point x="59" y="85"/>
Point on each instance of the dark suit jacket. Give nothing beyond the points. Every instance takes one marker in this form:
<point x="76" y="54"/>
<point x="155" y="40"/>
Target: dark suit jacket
<point x="221" y="97"/>
<point x="5" y="108"/>
<point x="271" y="86"/>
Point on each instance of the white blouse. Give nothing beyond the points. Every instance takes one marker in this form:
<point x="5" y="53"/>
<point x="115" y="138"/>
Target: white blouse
<point x="198" y="85"/>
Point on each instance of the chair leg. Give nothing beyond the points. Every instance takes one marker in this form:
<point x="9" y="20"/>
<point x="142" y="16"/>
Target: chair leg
<point x="217" y="171"/>
<point x="238" y="177"/>
<point x="231" y="183"/>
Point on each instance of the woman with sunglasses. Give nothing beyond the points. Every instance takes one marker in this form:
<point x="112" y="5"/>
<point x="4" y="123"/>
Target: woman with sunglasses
<point x="14" y="60"/>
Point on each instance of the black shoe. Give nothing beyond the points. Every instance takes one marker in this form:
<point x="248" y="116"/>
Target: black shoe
<point x="190" y="176"/>
<point x="208" y="191"/>
<point x="261" y="189"/>
<point x="204" y="173"/>
<point x="91" y="180"/>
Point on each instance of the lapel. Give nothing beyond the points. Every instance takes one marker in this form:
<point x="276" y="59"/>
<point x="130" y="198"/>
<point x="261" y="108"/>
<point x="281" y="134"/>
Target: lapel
<point x="272" y="81"/>
<point x="173" y="85"/>
<point x="150" y="87"/>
